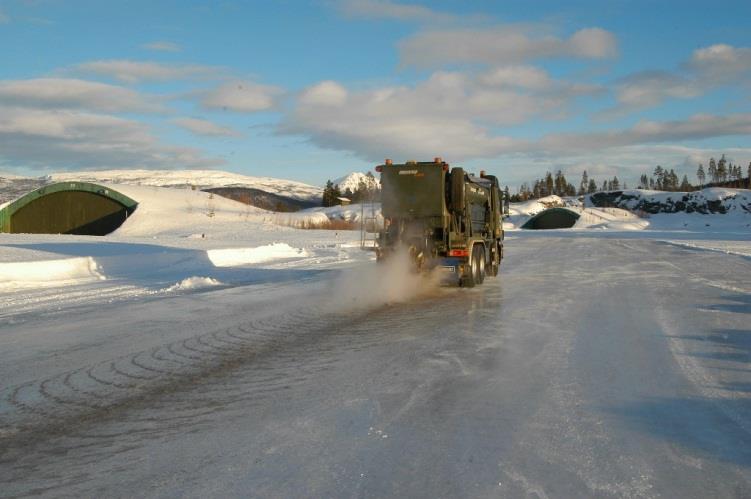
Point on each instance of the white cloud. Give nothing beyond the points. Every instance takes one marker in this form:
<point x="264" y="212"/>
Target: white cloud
<point x="722" y="54"/>
<point x="501" y="46"/>
<point x="162" y="46"/>
<point x="241" y="96"/>
<point x="140" y="71"/>
<point x="518" y="76"/>
<point x="450" y="114"/>
<point x="58" y="139"/>
<point x="697" y="127"/>
<point x="708" y="68"/>
<point x="68" y="93"/>
<point x="204" y="127"/>
<point x="326" y="93"/>
<point x="649" y="88"/>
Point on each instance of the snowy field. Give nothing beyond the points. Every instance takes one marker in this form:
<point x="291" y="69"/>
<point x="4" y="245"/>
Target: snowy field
<point x="207" y="348"/>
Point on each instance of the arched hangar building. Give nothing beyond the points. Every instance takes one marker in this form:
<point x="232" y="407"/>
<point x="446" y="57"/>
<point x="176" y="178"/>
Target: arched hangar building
<point x="552" y="218"/>
<point x="67" y="208"/>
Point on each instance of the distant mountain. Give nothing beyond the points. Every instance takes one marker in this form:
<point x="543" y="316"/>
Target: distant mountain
<point x="12" y="187"/>
<point x="269" y="192"/>
<point x="199" y="179"/>
<point x="262" y="199"/>
<point x="352" y="181"/>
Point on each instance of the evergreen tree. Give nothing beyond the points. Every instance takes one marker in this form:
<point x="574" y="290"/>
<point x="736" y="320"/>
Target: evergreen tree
<point x="584" y="183"/>
<point x="712" y="170"/>
<point x="658" y="175"/>
<point x="605" y="185"/>
<point x="336" y="194"/>
<point x="549" y="184"/>
<point x="685" y="186"/>
<point x="644" y="181"/>
<point x="615" y="184"/>
<point x="722" y="171"/>
<point x="651" y="183"/>
<point x="328" y="198"/>
<point x="700" y="175"/>
<point x="592" y="187"/>
<point x="748" y="182"/>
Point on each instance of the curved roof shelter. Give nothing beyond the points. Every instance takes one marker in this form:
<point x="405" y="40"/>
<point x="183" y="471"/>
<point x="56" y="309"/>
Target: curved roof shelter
<point x="67" y="208"/>
<point x="552" y="218"/>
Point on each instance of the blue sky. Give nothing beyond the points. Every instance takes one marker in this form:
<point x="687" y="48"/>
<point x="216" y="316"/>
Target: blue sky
<point x="313" y="90"/>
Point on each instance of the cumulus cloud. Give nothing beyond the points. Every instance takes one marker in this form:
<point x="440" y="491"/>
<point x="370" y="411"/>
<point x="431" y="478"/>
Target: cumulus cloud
<point x="66" y="139"/>
<point x="501" y="45"/>
<point x="68" y="93"/>
<point x="648" y="88"/>
<point x="462" y="116"/>
<point x="721" y="63"/>
<point x="162" y="46"/>
<point x="204" y="127"/>
<point x="706" y="69"/>
<point x="450" y="113"/>
<point x="697" y="127"/>
<point x="241" y="97"/>
<point x="143" y="71"/>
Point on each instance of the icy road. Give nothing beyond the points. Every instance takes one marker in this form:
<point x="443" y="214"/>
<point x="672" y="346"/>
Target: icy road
<point x="592" y="367"/>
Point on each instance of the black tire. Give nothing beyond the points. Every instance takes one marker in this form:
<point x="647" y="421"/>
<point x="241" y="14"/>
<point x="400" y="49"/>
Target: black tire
<point x="469" y="279"/>
<point x="495" y="264"/>
<point x="480" y="263"/>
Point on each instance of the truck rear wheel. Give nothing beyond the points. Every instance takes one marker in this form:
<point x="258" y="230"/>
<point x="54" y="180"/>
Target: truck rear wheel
<point x="480" y="249"/>
<point x="469" y="279"/>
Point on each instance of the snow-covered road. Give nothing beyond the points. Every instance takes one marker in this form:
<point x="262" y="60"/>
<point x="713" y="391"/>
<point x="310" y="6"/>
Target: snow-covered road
<point x="592" y="367"/>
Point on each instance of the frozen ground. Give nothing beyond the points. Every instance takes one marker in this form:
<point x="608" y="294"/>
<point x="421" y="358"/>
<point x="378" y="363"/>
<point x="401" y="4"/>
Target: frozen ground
<point x="226" y="355"/>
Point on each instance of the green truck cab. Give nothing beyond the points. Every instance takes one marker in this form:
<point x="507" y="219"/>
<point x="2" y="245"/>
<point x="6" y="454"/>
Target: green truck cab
<point x="445" y="218"/>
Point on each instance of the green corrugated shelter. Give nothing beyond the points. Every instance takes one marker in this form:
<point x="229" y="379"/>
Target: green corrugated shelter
<point x="67" y="208"/>
<point x="552" y="218"/>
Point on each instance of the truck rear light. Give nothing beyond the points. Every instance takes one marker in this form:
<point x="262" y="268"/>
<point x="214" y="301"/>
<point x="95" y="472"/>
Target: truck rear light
<point x="458" y="252"/>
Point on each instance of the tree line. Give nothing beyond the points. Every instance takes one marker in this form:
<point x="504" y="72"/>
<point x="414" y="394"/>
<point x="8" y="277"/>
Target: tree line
<point x="558" y="185"/>
<point x="719" y="173"/>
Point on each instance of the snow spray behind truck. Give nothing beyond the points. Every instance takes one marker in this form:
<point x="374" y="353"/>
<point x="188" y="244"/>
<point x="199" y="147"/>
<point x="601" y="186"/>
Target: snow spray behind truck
<point x="447" y="221"/>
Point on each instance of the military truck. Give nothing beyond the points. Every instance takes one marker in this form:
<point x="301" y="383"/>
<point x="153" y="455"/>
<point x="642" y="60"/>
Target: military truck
<point x="448" y="221"/>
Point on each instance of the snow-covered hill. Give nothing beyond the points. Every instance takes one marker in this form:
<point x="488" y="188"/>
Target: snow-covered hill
<point x="706" y="201"/>
<point x="352" y="181"/>
<point x="200" y="179"/>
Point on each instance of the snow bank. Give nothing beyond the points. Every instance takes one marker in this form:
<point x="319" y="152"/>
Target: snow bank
<point x="47" y="272"/>
<point x="182" y="212"/>
<point x="193" y="283"/>
<point x="349" y="213"/>
<point x="233" y="257"/>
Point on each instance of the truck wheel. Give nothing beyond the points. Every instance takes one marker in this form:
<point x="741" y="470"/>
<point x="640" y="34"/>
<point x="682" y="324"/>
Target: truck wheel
<point x="495" y="263"/>
<point x="469" y="279"/>
<point x="480" y="263"/>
